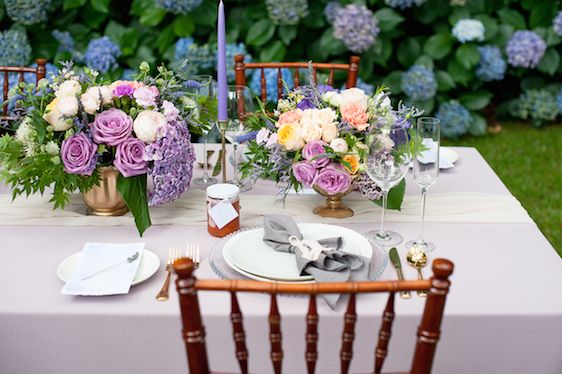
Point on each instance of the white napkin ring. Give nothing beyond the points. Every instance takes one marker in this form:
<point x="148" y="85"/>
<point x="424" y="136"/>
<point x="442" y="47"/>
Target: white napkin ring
<point x="310" y="249"/>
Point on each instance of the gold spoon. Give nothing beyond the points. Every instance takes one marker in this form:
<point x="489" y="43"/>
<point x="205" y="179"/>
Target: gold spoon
<point x="417" y="259"/>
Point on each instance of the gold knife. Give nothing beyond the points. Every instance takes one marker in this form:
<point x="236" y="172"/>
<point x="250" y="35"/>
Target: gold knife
<point x="395" y="259"/>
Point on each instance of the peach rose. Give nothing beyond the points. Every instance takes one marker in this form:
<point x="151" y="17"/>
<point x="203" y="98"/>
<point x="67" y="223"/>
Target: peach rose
<point x="355" y="115"/>
<point x="354" y="95"/>
<point x="292" y="116"/>
<point x="353" y="161"/>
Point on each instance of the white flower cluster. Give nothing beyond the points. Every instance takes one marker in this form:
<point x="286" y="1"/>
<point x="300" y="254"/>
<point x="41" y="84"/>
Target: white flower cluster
<point x="467" y="30"/>
<point x="26" y="134"/>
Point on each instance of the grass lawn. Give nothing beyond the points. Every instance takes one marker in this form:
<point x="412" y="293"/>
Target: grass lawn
<point x="529" y="162"/>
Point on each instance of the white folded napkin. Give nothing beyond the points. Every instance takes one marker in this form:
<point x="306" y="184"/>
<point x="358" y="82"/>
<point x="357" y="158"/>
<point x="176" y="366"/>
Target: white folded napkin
<point x="427" y="156"/>
<point x="96" y="257"/>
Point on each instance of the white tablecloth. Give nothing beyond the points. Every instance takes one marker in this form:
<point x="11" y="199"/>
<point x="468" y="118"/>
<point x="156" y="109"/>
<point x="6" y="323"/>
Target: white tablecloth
<point x="503" y="315"/>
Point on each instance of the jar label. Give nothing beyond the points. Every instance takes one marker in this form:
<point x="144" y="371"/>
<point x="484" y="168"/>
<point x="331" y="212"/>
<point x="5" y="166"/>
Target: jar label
<point x="223" y="213"/>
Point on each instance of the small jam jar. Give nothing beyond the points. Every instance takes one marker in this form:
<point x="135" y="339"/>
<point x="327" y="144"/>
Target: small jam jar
<point x="223" y="192"/>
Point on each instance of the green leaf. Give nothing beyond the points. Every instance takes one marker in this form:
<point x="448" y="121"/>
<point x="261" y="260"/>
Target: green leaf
<point x="458" y="14"/>
<point x="458" y="72"/>
<point x="550" y="62"/>
<point x="330" y="45"/>
<point x="395" y="196"/>
<point x="100" y="5"/>
<point x="394" y="82"/>
<point x="133" y="192"/>
<point x="408" y="51"/>
<point x="152" y="16"/>
<point x="425" y="61"/>
<point x="165" y="38"/>
<point x="552" y="38"/>
<point x="503" y="35"/>
<point x="426" y="105"/>
<point x="115" y="31"/>
<point x="542" y="14"/>
<point x="467" y="55"/>
<point x="287" y="33"/>
<point x="273" y="52"/>
<point x="184" y="25"/>
<point x="476" y="100"/>
<point x="438" y="46"/>
<point x="388" y="19"/>
<point x="71" y="4"/>
<point x="260" y="33"/>
<point x="490" y="26"/>
<point x="513" y="18"/>
<point x="478" y="126"/>
<point x="444" y="81"/>
<point x="129" y="41"/>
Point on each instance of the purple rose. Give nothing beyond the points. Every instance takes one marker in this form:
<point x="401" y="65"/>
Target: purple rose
<point x="123" y="90"/>
<point x="304" y="172"/>
<point x="314" y="149"/>
<point x="333" y="179"/>
<point x="129" y="158"/>
<point x="112" y="127"/>
<point x="78" y="154"/>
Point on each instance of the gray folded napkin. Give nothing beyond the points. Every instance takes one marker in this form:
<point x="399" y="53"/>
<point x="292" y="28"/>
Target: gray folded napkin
<point x="331" y="265"/>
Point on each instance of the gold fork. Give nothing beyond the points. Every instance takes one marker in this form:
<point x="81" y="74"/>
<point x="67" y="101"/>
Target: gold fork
<point x="192" y="252"/>
<point x="173" y="255"/>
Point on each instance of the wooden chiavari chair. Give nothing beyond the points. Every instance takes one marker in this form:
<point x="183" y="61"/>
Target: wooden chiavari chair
<point x="240" y="70"/>
<point x="427" y="335"/>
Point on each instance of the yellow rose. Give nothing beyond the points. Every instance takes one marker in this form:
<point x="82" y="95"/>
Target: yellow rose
<point x="289" y="137"/>
<point x="54" y="118"/>
<point x="353" y="161"/>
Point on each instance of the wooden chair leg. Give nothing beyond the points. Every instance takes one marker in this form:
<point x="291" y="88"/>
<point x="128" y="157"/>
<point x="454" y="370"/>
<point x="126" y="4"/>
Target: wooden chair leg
<point x="353" y="71"/>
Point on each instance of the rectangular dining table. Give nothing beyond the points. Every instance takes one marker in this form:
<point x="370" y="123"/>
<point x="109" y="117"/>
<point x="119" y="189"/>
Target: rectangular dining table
<point x="503" y="314"/>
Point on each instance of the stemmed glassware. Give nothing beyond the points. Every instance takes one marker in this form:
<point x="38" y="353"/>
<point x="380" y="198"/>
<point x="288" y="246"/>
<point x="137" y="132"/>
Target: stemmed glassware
<point x="426" y="168"/>
<point x="203" y="89"/>
<point x="387" y="161"/>
<point x="239" y="104"/>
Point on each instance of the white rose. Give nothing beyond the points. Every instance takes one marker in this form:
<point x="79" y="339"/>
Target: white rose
<point x="294" y="144"/>
<point x="339" y="145"/>
<point x="329" y="132"/>
<point x="354" y="95"/>
<point x="311" y="132"/>
<point x="106" y="94"/>
<point x="91" y="100"/>
<point x="327" y="116"/>
<point x="310" y="117"/>
<point x="147" y="123"/>
<point x="68" y="88"/>
<point x="68" y="106"/>
<point x="329" y="97"/>
<point x="55" y="119"/>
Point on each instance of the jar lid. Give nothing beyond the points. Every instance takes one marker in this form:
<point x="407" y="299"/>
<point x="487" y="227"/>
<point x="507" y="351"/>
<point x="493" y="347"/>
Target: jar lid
<point x="223" y="191"/>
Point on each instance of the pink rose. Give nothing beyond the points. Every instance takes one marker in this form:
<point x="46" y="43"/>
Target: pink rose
<point x="146" y="96"/>
<point x="292" y="116"/>
<point x="355" y="115"/>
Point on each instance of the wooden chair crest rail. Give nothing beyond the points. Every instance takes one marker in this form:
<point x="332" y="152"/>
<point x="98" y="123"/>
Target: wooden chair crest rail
<point x="39" y="71"/>
<point x="427" y="335"/>
<point x="240" y="68"/>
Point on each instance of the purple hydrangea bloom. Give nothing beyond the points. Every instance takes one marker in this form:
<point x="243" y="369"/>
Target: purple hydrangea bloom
<point x="66" y="42"/>
<point x="557" y="23"/>
<point x="366" y="187"/>
<point x="525" y="49"/>
<point x="492" y="66"/>
<point x="331" y="10"/>
<point x="102" y="54"/>
<point x="173" y="156"/>
<point x="356" y="26"/>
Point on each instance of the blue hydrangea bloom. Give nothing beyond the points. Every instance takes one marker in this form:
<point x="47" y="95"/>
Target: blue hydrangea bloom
<point x="66" y="42"/>
<point x="559" y="100"/>
<point x="419" y="83"/>
<point x="467" y="30"/>
<point x="525" y="49"/>
<point x="231" y="51"/>
<point x="14" y="48"/>
<point x="199" y="57"/>
<point x="537" y="105"/>
<point x="102" y="54"/>
<point x="286" y="12"/>
<point x="271" y="82"/>
<point x="178" y="6"/>
<point x="492" y="66"/>
<point x="356" y="26"/>
<point x="331" y="10"/>
<point x="557" y="23"/>
<point x="128" y="74"/>
<point x="403" y="4"/>
<point x="455" y="119"/>
<point x="181" y="48"/>
<point x="27" y="12"/>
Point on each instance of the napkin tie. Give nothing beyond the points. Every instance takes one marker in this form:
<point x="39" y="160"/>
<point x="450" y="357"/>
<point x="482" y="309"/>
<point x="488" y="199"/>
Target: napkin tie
<point x="330" y="264"/>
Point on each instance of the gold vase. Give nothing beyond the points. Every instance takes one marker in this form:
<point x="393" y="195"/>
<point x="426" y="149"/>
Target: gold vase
<point x="334" y="207"/>
<point x="105" y="200"/>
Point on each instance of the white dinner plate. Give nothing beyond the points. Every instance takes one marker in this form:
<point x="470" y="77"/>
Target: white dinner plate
<point x="262" y="279"/>
<point x="247" y="251"/>
<point x="448" y="154"/>
<point x="150" y="263"/>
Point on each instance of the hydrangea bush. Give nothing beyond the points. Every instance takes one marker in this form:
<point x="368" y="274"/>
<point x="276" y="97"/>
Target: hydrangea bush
<point x="482" y="53"/>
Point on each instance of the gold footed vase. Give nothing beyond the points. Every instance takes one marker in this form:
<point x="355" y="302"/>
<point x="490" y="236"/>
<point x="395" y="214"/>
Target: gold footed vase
<point x="105" y="200"/>
<point x="334" y="207"/>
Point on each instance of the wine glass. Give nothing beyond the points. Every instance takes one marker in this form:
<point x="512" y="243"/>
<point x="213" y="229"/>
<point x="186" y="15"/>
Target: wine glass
<point x="426" y="168"/>
<point x="204" y="93"/>
<point x="387" y="161"/>
<point x="239" y="104"/>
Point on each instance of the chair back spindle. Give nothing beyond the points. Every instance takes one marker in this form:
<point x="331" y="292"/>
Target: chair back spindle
<point x="427" y="335"/>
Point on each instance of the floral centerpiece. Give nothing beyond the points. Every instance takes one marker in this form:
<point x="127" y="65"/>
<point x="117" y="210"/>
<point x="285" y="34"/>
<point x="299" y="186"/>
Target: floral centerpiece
<point x="75" y="131"/>
<point x="318" y="137"/>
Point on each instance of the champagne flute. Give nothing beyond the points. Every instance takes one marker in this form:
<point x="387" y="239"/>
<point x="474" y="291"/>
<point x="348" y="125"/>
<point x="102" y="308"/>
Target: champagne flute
<point x="426" y="168"/>
<point x="387" y="161"/>
<point x="204" y="93"/>
<point x="239" y="104"/>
